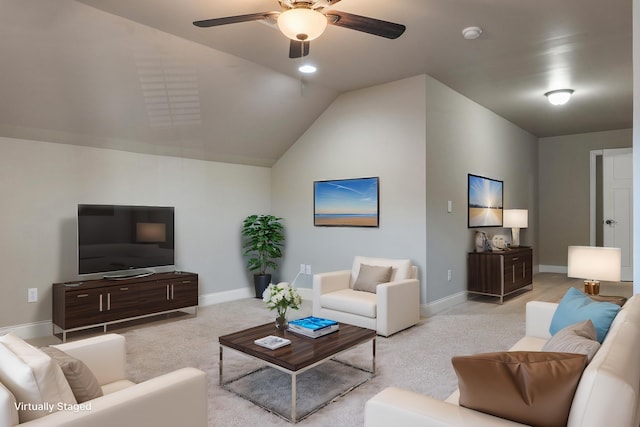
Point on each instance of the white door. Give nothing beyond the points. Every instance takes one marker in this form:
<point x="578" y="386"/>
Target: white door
<point x="617" y="210"/>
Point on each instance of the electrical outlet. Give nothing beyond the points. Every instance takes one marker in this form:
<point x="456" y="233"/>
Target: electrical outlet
<point x="449" y="275"/>
<point x="308" y="269"/>
<point x="32" y="295"/>
<point x="302" y="268"/>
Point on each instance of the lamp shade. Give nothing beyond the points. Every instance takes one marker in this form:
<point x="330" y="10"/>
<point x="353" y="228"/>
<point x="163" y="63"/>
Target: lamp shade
<point x="302" y="24"/>
<point x="515" y="218"/>
<point x="594" y="263"/>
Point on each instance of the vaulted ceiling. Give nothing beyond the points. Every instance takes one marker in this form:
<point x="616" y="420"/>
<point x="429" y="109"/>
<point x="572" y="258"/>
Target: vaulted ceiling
<point x="137" y="75"/>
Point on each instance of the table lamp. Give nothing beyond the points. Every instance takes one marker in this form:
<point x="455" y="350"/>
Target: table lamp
<point x="594" y="263"/>
<point x="515" y="219"/>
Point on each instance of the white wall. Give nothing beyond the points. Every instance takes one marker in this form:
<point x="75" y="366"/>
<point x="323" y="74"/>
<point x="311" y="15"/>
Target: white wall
<point x="465" y="138"/>
<point x="41" y="184"/>
<point x="378" y="131"/>
<point x="564" y="188"/>
<point x="422" y="139"/>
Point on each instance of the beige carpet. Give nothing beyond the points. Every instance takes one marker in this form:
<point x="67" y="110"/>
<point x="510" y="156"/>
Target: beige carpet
<point x="417" y="358"/>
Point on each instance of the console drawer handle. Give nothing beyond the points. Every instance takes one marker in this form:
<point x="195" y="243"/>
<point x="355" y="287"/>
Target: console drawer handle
<point x="124" y="289"/>
<point x="82" y="295"/>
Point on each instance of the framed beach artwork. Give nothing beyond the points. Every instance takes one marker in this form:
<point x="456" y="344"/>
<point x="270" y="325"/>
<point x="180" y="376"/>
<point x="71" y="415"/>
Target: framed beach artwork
<point x="346" y="202"/>
<point x="485" y="202"/>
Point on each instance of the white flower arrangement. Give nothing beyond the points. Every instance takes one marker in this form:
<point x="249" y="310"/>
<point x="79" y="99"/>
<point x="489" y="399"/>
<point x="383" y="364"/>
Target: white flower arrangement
<point x="281" y="297"/>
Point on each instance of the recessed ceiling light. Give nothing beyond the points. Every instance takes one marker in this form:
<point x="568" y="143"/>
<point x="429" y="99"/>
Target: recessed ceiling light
<point x="307" y="69"/>
<point x="471" y="33"/>
<point x="559" y="97"/>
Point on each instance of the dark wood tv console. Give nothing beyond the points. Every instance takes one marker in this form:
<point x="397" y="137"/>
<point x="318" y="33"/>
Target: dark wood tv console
<point x="92" y="303"/>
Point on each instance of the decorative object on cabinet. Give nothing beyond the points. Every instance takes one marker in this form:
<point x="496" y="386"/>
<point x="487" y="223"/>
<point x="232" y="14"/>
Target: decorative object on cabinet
<point x="499" y="243"/>
<point x="593" y="263"/>
<point x="102" y="302"/>
<point x="515" y="219"/>
<point x="484" y="202"/>
<point x="499" y="274"/>
<point x="346" y="203"/>
<point x="263" y="238"/>
<point x="481" y="241"/>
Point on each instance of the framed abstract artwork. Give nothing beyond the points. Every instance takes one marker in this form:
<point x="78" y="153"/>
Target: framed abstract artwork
<point x="485" y="202"/>
<point x="346" y="202"/>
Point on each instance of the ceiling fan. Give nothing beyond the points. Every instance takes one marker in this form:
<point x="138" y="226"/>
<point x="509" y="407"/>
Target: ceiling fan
<point x="304" y="20"/>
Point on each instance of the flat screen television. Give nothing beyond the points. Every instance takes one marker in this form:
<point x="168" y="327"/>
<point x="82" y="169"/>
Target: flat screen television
<point x="122" y="240"/>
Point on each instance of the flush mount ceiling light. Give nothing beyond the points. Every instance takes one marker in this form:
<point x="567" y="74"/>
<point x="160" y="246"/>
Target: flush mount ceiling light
<point x="471" y="33"/>
<point x="302" y="23"/>
<point x="559" y="97"/>
<point x="307" y="69"/>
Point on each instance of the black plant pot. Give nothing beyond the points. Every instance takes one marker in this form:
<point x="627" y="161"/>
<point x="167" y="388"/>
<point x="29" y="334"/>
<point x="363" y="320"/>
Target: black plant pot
<point x="260" y="282"/>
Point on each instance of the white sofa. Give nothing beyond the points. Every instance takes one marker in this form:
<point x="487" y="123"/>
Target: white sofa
<point x="607" y="394"/>
<point x="393" y="307"/>
<point x="178" y="398"/>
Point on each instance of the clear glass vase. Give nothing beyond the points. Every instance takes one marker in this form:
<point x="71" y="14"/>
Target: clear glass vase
<point x="281" y="323"/>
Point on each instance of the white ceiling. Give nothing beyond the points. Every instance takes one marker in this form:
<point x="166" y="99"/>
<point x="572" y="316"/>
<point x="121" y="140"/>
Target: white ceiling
<point x="137" y="75"/>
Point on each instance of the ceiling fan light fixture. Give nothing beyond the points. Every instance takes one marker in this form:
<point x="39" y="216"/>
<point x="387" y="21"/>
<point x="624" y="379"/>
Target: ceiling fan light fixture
<point x="302" y="24"/>
<point x="559" y="97"/>
<point x="307" y="69"/>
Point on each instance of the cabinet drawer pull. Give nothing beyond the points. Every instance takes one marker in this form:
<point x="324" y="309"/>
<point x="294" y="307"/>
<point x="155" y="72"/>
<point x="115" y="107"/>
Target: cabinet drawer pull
<point x="172" y="291"/>
<point x="515" y="259"/>
<point x="100" y="302"/>
<point x="108" y="301"/>
<point x="124" y="289"/>
<point x="82" y="295"/>
<point x="167" y="292"/>
<point x="185" y="282"/>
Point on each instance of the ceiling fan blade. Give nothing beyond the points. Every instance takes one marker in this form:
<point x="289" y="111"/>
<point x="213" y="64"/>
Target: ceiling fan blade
<point x="234" y="19"/>
<point x="298" y="49"/>
<point x="373" y="26"/>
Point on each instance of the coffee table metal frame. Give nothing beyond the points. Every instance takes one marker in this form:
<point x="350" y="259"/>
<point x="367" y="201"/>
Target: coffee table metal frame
<point x="294" y="373"/>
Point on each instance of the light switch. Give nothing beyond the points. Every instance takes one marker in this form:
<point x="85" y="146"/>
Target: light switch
<point x="449" y="206"/>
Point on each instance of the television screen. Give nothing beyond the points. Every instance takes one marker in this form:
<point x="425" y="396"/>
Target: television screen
<point x="119" y="238"/>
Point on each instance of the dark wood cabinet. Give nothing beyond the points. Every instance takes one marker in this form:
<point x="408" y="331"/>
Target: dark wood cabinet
<point x="82" y="305"/>
<point x="500" y="273"/>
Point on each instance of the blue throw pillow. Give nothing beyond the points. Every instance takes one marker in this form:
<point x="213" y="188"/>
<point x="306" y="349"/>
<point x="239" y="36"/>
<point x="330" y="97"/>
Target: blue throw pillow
<point x="575" y="306"/>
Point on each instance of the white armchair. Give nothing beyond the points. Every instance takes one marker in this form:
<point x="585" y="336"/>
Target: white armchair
<point x="377" y="293"/>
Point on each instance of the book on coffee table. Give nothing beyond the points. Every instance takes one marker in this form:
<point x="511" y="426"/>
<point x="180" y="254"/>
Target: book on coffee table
<point x="313" y="334"/>
<point x="272" y="342"/>
<point x="312" y="323"/>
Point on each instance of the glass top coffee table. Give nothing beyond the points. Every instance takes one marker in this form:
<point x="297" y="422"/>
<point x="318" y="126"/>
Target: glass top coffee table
<point x="301" y="355"/>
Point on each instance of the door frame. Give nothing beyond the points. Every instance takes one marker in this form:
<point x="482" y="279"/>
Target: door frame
<point x="593" y="156"/>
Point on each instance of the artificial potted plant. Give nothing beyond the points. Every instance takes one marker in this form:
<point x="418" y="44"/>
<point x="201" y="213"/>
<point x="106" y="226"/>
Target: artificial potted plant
<point x="263" y="238"/>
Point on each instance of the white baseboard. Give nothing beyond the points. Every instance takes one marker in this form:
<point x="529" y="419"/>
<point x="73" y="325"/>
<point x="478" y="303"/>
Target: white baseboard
<point x="225" y="296"/>
<point x="435" y="307"/>
<point x="553" y="269"/>
<point x="236" y="294"/>
<point x="29" y="330"/>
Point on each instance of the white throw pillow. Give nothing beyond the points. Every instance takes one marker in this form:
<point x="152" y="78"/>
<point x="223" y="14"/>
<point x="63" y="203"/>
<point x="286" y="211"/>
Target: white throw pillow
<point x="34" y="378"/>
<point x="400" y="268"/>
